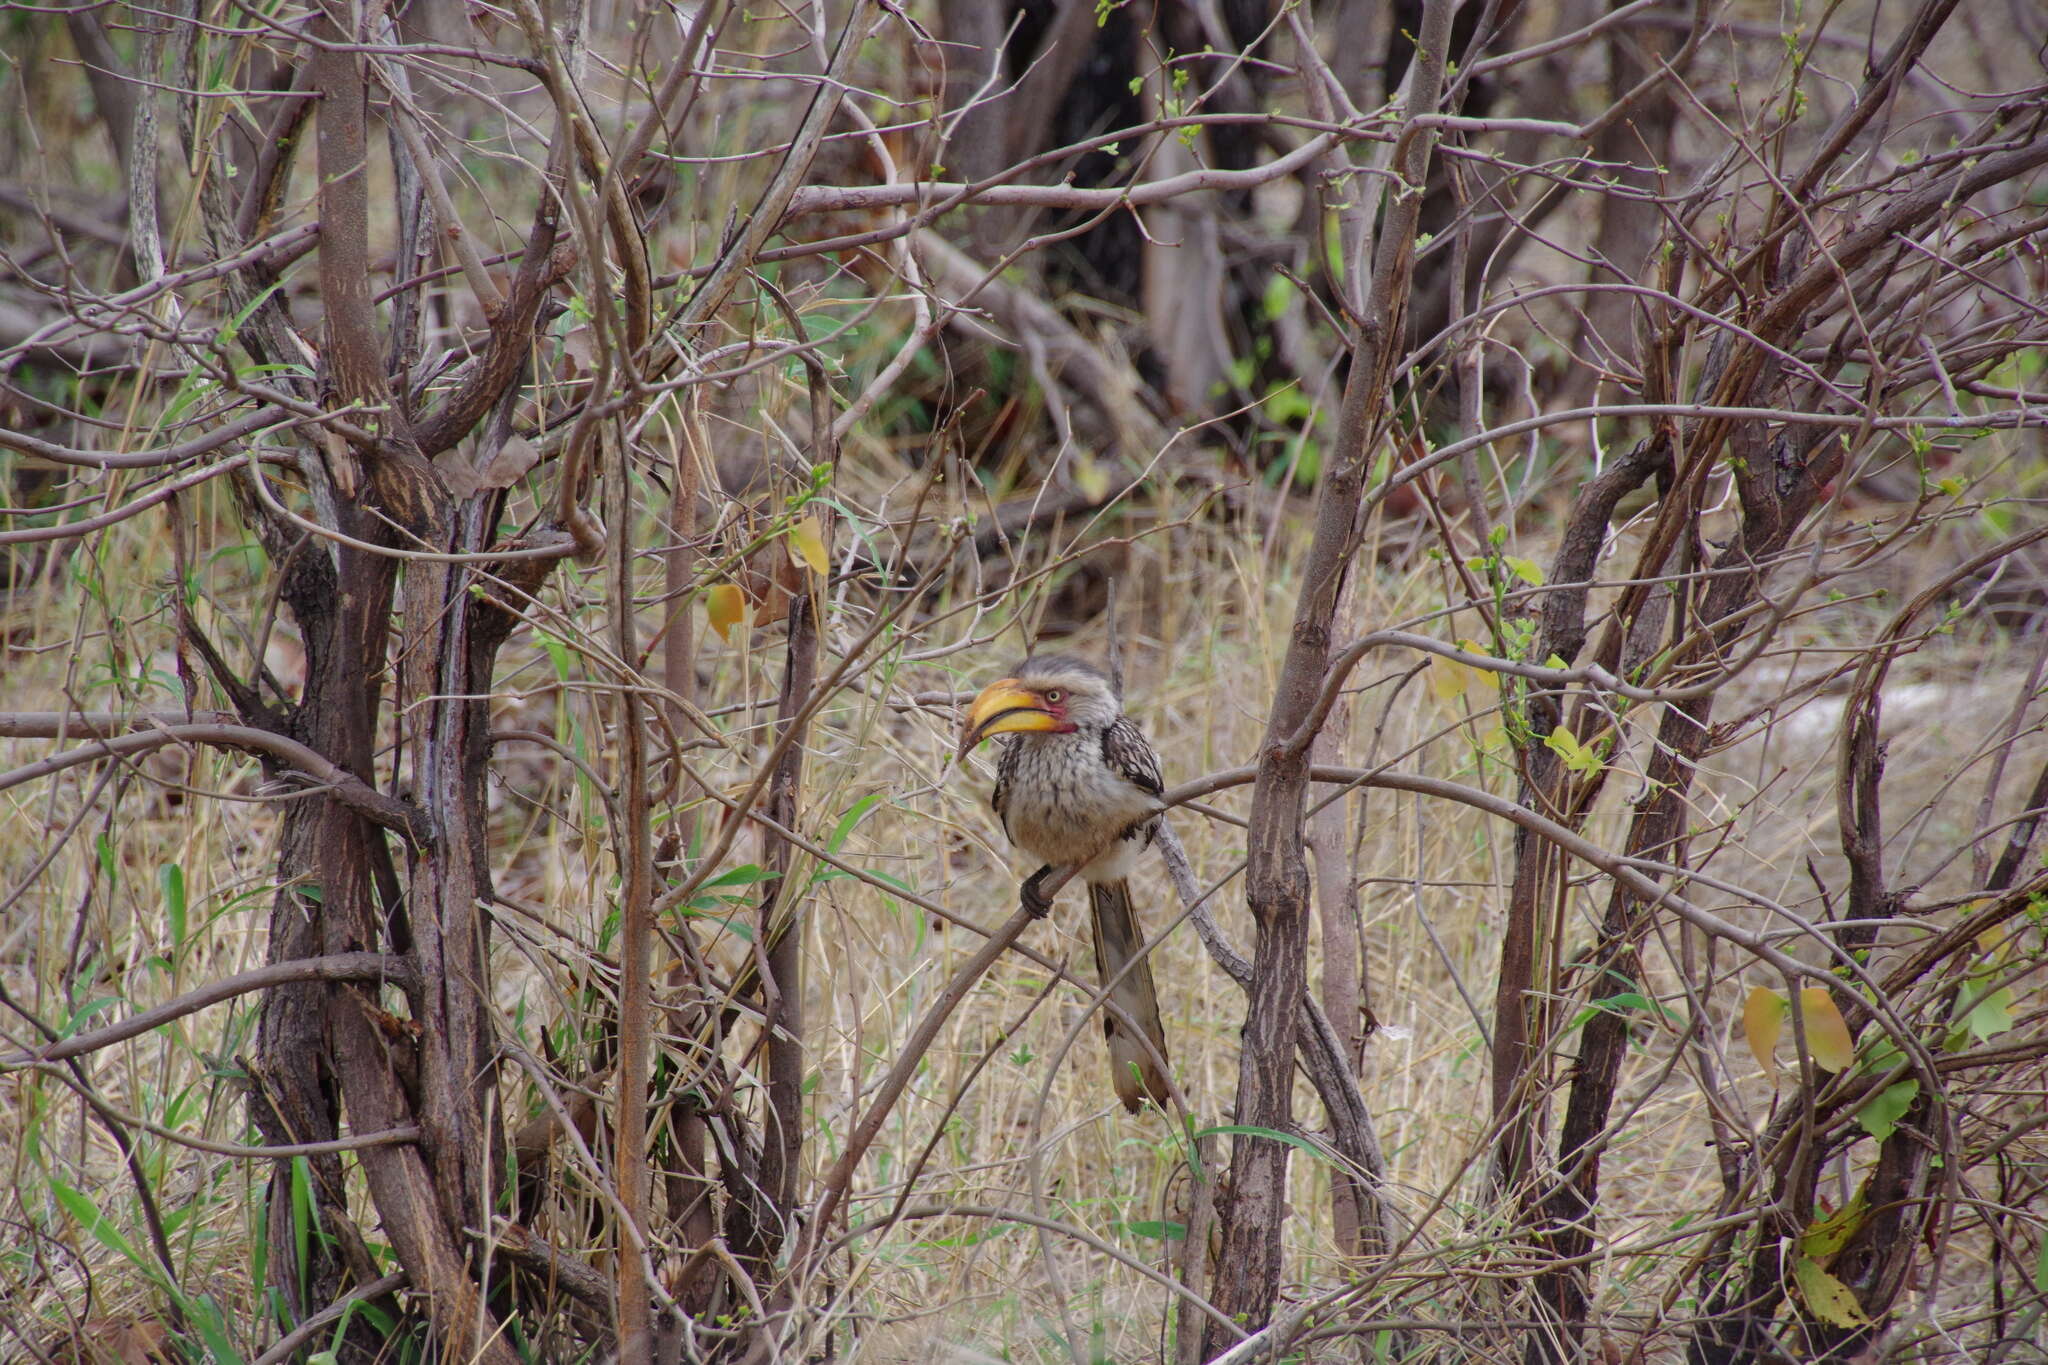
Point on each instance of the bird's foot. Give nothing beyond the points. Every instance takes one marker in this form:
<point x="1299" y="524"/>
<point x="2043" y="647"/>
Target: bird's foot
<point x="1036" y="903"/>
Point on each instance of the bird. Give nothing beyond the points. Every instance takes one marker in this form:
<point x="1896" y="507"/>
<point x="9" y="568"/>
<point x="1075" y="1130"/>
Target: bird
<point x="1078" y="785"/>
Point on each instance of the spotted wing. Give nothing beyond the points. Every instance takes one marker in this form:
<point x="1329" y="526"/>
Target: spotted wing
<point x="1127" y="753"/>
<point x="1006" y="769"/>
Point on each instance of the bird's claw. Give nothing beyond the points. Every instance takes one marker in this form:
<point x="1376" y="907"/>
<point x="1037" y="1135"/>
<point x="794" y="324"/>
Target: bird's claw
<point x="1032" y="894"/>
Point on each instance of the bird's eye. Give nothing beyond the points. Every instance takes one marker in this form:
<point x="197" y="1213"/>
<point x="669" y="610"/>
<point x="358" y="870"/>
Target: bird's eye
<point x="1054" y="694"/>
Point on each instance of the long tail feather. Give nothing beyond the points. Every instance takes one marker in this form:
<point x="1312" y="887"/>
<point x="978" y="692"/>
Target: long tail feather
<point x="1117" y="941"/>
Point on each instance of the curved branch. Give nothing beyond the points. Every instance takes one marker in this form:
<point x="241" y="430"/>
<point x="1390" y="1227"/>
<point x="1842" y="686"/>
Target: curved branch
<point x="101" y="724"/>
<point x="250" y="424"/>
<point x="334" y="967"/>
<point x="1340" y="669"/>
<point x="291" y="1341"/>
<point x="345" y="787"/>
<point x="927" y="193"/>
<point x="163" y="492"/>
<point x="773" y="205"/>
<point x="1622" y="869"/>
<point x="96" y="316"/>
<point x="354" y="1142"/>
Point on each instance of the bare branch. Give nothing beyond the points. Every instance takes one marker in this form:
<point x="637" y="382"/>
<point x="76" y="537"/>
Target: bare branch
<point x="373" y="967"/>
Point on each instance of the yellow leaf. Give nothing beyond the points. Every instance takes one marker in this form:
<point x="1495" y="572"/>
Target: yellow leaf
<point x="1826" y="1297"/>
<point x="1450" y="680"/>
<point x="1763" y="1015"/>
<point x="1827" y="1037"/>
<point x="1566" y="746"/>
<point x="1486" y="675"/>
<point x="727" y="607"/>
<point x="1091" y="478"/>
<point x="807" y="544"/>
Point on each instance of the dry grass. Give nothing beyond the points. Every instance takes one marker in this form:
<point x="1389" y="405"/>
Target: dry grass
<point x="128" y="884"/>
<point x="1037" y="1130"/>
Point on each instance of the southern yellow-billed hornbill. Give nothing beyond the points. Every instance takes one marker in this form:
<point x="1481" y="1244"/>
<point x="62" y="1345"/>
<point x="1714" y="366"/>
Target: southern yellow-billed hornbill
<point x="1078" y="786"/>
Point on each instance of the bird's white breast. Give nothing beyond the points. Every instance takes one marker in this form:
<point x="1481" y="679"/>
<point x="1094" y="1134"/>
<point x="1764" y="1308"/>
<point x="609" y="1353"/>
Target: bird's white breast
<point x="1062" y="803"/>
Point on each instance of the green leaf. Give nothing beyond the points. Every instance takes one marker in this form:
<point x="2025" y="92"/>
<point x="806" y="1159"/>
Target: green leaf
<point x="1525" y="569"/>
<point x="850" y="819"/>
<point x="1248" y="1130"/>
<point x="1279" y="294"/>
<point x="1880" y="1055"/>
<point x="744" y="875"/>
<point x="98" y="1005"/>
<point x="1826" y="1236"/>
<point x="172" y="878"/>
<point x="1578" y="757"/>
<point x="1635" y="1000"/>
<point x="1990" y="1015"/>
<point x="1881" y="1113"/>
<point x="1157" y="1227"/>
<point x="305" y="1216"/>
<point x="233" y="326"/>
<point x="88" y="1216"/>
<point x="206" y="1319"/>
<point x="1620" y="1005"/>
<point x="732" y="924"/>
<point x="558" y="655"/>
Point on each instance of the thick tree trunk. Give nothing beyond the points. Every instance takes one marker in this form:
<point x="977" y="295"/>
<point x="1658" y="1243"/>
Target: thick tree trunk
<point x="1253" y="1215"/>
<point x="334" y="875"/>
<point x="432" y="1066"/>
